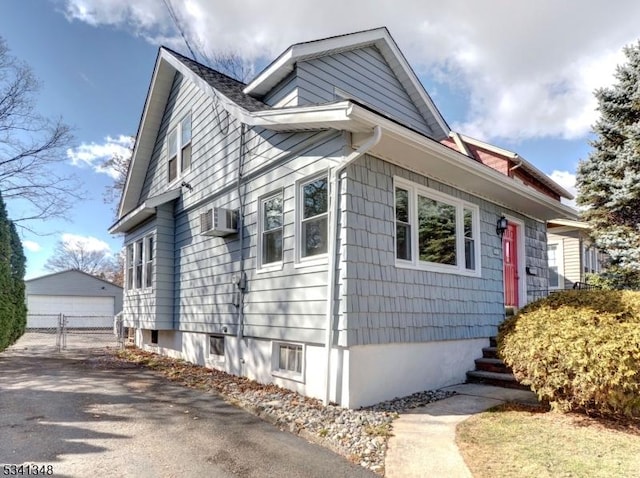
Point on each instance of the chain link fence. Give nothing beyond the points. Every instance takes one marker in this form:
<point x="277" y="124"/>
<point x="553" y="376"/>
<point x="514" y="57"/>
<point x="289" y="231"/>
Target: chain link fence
<point x="71" y="331"/>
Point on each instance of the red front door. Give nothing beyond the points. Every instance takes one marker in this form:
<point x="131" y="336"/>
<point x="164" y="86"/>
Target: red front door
<point x="510" y="259"/>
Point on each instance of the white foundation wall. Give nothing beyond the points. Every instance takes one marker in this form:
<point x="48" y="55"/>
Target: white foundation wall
<point x="382" y="372"/>
<point x="360" y="376"/>
<point x="249" y="357"/>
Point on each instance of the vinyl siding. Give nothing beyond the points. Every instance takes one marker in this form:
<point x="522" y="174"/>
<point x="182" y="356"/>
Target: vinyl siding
<point x="382" y="303"/>
<point x="572" y="257"/>
<point x="284" y="94"/>
<point x="140" y="304"/>
<point x="364" y="75"/>
<point x="287" y="304"/>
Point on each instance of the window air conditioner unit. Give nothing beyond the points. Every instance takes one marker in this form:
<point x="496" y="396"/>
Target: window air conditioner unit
<point x="218" y="221"/>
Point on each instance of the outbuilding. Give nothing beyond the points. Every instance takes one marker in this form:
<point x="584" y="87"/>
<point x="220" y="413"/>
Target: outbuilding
<point x="86" y="300"/>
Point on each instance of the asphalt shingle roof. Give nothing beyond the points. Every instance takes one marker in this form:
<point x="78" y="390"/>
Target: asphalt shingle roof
<point x="229" y="87"/>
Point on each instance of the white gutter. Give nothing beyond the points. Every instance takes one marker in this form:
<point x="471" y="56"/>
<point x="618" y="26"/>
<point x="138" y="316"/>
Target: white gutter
<point x="334" y="182"/>
<point x="520" y="163"/>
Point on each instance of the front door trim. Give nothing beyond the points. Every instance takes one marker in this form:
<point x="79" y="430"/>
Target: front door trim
<point x="522" y="259"/>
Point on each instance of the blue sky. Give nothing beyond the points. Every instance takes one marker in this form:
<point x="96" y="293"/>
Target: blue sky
<point x="518" y="74"/>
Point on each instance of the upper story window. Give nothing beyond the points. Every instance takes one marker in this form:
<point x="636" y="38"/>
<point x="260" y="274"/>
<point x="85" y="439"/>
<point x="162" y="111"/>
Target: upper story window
<point x="271" y="230"/>
<point x="313" y="216"/>
<point x="435" y="231"/>
<point x="179" y="149"/>
<point x="140" y="256"/>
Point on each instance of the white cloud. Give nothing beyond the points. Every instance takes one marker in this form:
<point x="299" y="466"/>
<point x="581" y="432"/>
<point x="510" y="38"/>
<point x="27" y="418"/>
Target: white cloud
<point x="567" y="180"/>
<point x="87" y="243"/>
<point x="94" y="154"/>
<point x="31" y="246"/>
<point x="528" y="68"/>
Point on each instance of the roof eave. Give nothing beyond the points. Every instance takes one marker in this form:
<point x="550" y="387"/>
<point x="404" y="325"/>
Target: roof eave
<point x="537" y="173"/>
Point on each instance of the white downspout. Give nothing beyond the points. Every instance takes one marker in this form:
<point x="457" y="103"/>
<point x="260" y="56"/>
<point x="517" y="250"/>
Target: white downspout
<point x="334" y="182"/>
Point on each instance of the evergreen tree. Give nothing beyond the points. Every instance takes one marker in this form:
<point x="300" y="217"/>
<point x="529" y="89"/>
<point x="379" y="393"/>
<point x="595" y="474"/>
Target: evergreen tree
<point x="18" y="270"/>
<point x="609" y="180"/>
<point x="6" y="283"/>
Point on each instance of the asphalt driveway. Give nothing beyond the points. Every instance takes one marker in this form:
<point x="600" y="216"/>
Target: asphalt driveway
<point x="89" y="417"/>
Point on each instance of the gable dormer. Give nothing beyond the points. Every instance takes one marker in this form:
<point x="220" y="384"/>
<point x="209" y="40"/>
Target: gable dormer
<point x="366" y="67"/>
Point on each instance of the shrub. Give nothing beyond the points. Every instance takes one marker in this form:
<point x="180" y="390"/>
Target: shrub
<point x="579" y="350"/>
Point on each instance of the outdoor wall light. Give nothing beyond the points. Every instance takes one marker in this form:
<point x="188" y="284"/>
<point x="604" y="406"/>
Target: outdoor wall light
<point x="501" y="226"/>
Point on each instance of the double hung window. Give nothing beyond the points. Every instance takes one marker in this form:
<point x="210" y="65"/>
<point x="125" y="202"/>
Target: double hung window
<point x="313" y="216"/>
<point x="139" y="263"/>
<point x="179" y="149"/>
<point x="271" y="229"/>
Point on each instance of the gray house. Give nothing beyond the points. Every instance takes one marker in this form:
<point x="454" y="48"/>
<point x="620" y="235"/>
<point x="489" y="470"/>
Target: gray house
<point x="310" y="230"/>
<point x="86" y="300"/>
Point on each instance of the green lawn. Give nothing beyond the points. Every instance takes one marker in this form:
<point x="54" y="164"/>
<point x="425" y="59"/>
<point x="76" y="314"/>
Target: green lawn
<point x="512" y="441"/>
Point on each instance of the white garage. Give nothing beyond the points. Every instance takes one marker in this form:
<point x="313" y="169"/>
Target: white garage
<point x="86" y="301"/>
<point x="80" y="311"/>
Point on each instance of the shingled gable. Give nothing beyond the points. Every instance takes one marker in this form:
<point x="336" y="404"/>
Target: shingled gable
<point x="168" y="62"/>
<point x="278" y="70"/>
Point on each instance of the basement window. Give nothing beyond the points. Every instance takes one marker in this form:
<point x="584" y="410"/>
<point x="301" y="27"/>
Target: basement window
<point x="154" y="337"/>
<point x="216" y="345"/>
<point x="287" y="360"/>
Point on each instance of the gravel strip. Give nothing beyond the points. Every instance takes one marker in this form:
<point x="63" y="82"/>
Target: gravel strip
<point x="359" y="435"/>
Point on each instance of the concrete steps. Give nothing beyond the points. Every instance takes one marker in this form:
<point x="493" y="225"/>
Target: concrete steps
<point x="491" y="370"/>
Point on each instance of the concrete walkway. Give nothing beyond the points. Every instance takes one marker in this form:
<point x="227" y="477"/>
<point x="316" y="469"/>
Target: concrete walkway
<point x="423" y="445"/>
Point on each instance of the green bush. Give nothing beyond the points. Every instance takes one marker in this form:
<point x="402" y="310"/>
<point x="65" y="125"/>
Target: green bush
<point x="578" y="350"/>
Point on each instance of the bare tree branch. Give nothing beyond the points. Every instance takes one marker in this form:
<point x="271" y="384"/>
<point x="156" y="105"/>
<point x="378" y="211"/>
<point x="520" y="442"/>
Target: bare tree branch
<point x="76" y="255"/>
<point x="120" y="165"/>
<point x="31" y="146"/>
<point x="231" y="64"/>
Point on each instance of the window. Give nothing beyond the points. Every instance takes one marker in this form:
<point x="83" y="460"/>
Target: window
<point x="138" y="262"/>
<point x="148" y="271"/>
<point x="435" y="231"/>
<point x="216" y="345"/>
<point x="154" y="336"/>
<point x="590" y="261"/>
<point x="314" y="217"/>
<point x="469" y="240"/>
<point x="140" y="257"/>
<point x="271" y="224"/>
<point x="403" y="227"/>
<point x="129" y="260"/>
<point x="179" y="149"/>
<point x="288" y="360"/>
<point x="552" y="260"/>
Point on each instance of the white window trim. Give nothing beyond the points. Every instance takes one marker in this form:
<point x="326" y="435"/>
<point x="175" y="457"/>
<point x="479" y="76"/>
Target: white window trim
<point x="319" y="259"/>
<point x="559" y="263"/>
<point x="145" y="251"/>
<point x="276" y="265"/>
<point x="130" y="268"/>
<point x="178" y="130"/>
<point x="275" y="359"/>
<point x="414" y="190"/>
